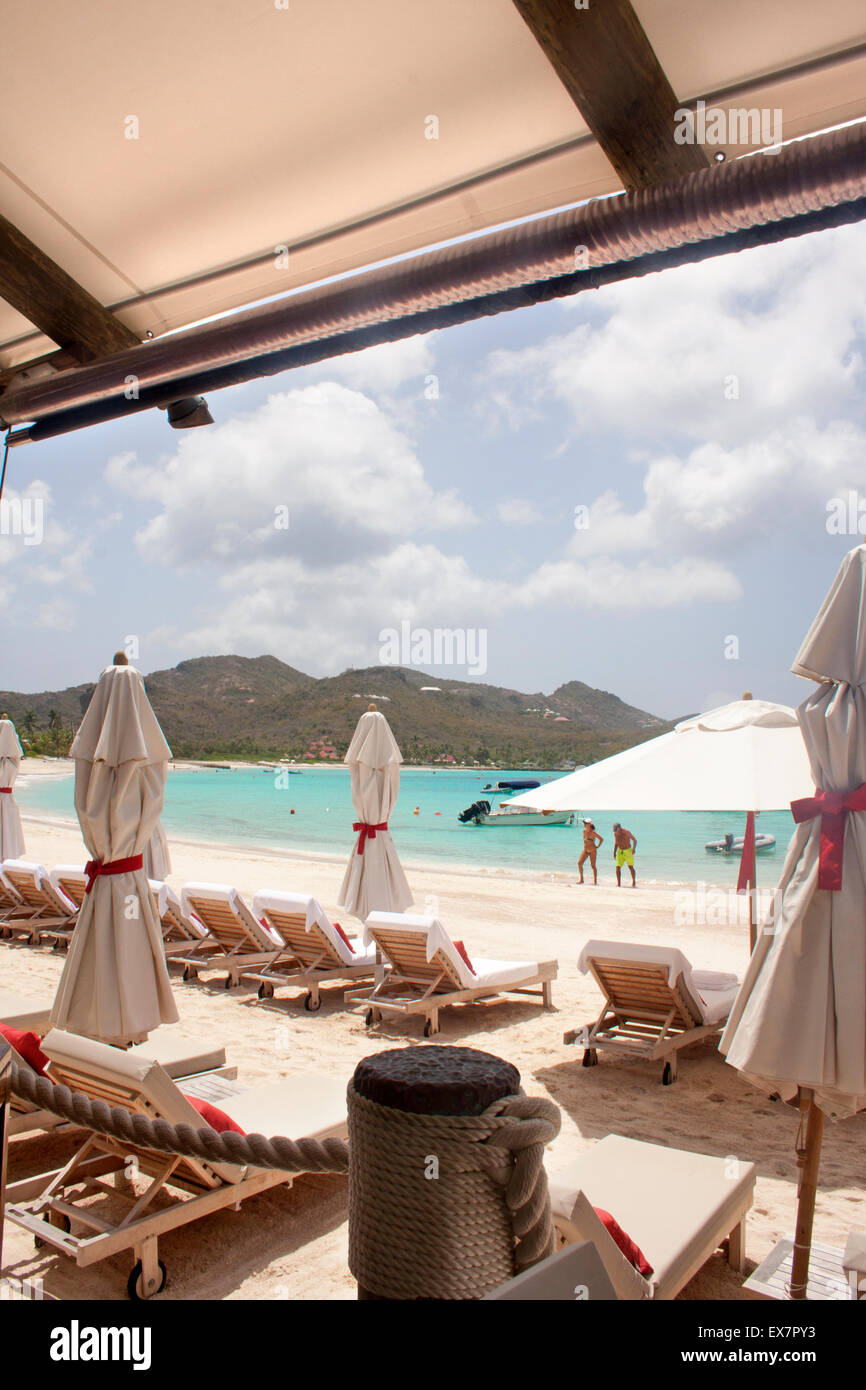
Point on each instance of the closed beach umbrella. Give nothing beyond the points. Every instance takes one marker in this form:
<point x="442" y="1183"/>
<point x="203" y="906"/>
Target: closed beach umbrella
<point x="157" y="860"/>
<point x="11" y="834"/>
<point x="746" y="756"/>
<point x="115" y="985"/>
<point x="799" y="1021"/>
<point x="374" y="880"/>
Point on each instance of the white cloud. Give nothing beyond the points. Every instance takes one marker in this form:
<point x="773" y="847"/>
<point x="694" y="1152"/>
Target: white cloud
<point x="517" y="511"/>
<point x="719" y="496"/>
<point x="329" y="455"/>
<point x="382" y="369"/>
<point x="35" y="546"/>
<point x="323" y="620"/>
<point x="781" y="320"/>
<point x="609" y="584"/>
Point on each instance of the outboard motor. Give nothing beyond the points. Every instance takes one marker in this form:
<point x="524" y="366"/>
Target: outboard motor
<point x="473" y="812"/>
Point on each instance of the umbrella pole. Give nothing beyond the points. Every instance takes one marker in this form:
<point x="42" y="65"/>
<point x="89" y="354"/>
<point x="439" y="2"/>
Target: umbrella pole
<point x="808" y="1159"/>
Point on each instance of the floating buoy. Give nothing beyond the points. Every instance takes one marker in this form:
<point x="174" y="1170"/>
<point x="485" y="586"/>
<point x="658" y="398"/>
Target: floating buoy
<point x="415" y="812"/>
<point x="292" y="812"/>
<point x="438" y="813"/>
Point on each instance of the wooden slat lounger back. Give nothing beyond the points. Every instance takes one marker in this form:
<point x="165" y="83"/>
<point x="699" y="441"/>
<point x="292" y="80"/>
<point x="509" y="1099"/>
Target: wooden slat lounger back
<point x="641" y="992"/>
<point x="407" y="952"/>
<point x="311" y="947"/>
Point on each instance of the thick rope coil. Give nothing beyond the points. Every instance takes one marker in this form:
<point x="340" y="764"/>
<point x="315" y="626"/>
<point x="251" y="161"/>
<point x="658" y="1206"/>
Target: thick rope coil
<point x="448" y="1206"/>
<point x="286" y="1155"/>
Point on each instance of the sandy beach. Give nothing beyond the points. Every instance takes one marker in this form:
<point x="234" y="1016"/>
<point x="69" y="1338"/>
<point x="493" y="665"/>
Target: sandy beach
<point x="293" y="1244"/>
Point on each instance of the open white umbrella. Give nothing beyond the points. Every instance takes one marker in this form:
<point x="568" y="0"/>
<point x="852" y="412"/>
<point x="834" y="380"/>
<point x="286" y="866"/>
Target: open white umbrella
<point x="799" y="1021"/>
<point x="746" y="756"/>
<point x="11" y="834"/>
<point x="374" y="880"/>
<point x="115" y="985"/>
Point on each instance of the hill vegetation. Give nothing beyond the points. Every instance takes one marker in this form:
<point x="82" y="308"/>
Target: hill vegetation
<point x="243" y="707"/>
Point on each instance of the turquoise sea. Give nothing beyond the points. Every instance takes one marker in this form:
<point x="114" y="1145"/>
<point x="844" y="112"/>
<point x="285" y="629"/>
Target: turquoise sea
<point x="254" y="806"/>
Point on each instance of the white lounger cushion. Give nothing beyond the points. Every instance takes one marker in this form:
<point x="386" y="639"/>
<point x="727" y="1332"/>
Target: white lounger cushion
<point x="160" y="893"/>
<point x="29" y="1013"/>
<point x="714" y="997"/>
<point x="180" y="1056"/>
<point x="225" y="893"/>
<point x="269" y="900"/>
<point x="486" y="971"/>
<point x="41" y="881"/>
<point x="310" y="1106"/>
<point x="670" y="1202"/>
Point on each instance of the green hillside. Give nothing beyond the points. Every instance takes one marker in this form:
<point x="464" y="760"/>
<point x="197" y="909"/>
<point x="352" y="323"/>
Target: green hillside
<point x="242" y="707"/>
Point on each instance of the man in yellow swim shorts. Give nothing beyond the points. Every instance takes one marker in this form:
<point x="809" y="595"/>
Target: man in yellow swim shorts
<point x="625" y="845"/>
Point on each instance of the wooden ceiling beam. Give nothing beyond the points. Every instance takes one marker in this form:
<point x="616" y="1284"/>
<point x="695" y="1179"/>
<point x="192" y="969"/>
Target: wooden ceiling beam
<point x="55" y="303"/>
<point x="609" y="68"/>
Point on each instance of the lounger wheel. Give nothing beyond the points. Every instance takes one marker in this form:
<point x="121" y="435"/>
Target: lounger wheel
<point x="667" y="1075"/>
<point x="311" y="1005"/>
<point x="55" y="1218"/>
<point x="228" y="982"/>
<point x="368" y="1018"/>
<point x="266" y="991"/>
<point x="133" y="1283"/>
<point x="590" y="1057"/>
<point x="429" y="1030"/>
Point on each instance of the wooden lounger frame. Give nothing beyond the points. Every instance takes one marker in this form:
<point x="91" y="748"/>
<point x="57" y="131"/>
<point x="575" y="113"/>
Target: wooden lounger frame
<point x="45" y="1204"/>
<point x="36" y="918"/>
<point x="415" y="985"/>
<point x="236" y="948"/>
<point x="642" y="1014"/>
<point x="316" y="959"/>
<point x="179" y="942"/>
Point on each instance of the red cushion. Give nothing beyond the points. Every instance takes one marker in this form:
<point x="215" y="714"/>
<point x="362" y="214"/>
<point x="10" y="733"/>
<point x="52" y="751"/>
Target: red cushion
<point x="217" y="1119"/>
<point x="632" y="1252"/>
<point x="343" y="937"/>
<point x="464" y="955"/>
<point x="27" y="1046"/>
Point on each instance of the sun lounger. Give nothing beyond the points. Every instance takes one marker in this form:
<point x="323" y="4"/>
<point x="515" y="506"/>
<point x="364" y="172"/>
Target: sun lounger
<point x="46" y="912"/>
<point x="186" y="1059"/>
<point x="71" y="880"/>
<point x="654" y="1003"/>
<point x="64" y="1208"/>
<point x="576" y="1273"/>
<point x="183" y="936"/>
<point x="428" y="972"/>
<point x="319" y="952"/>
<point x="677" y="1207"/>
<point x="244" y="943"/>
<point x="10" y="902"/>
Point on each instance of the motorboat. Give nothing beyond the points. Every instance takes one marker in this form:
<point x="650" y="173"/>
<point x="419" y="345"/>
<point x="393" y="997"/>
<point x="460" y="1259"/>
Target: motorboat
<point x="481" y="812"/>
<point x="733" y="844"/>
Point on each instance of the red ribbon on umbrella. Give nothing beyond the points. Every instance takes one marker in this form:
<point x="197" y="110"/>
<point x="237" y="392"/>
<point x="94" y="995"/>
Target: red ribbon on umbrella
<point x="833" y="808"/>
<point x="95" y="869"/>
<point x="367" y="831"/>
<point x="7" y="791"/>
<point x="746" y="877"/>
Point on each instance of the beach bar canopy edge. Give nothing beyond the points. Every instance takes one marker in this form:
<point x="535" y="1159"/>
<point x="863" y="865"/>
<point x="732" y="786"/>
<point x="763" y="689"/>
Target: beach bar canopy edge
<point x="173" y="166"/>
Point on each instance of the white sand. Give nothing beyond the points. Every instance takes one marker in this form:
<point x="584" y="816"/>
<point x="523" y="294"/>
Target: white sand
<point x="293" y="1244"/>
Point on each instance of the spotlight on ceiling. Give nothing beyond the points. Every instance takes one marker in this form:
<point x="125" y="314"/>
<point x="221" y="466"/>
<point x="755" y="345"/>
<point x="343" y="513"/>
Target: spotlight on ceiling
<point x="719" y="156"/>
<point x="188" y="412"/>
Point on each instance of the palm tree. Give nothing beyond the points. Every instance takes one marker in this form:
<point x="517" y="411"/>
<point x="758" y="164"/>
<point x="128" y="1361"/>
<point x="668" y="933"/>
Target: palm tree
<point x="55" y="726"/>
<point x="28" y="721"/>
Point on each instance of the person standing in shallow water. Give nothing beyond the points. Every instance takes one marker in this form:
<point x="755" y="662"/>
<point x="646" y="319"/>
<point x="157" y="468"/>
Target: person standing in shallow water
<point x="625" y="845"/>
<point x="592" y="841"/>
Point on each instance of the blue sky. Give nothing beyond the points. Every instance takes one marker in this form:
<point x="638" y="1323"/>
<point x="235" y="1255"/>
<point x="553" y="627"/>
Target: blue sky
<point x="705" y="418"/>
